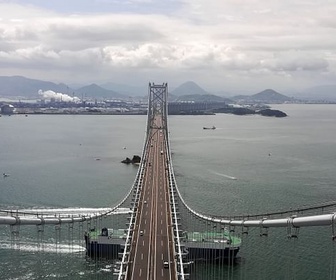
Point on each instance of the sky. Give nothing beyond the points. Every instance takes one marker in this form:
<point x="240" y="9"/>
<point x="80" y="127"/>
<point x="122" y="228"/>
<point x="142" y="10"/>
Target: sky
<point x="223" y="45"/>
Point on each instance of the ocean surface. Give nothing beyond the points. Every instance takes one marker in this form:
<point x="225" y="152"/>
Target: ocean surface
<point x="248" y="165"/>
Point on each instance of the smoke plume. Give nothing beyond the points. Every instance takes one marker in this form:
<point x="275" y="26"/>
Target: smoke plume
<point x="49" y="94"/>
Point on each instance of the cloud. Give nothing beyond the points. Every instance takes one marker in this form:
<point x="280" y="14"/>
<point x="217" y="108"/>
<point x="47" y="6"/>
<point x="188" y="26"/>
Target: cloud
<point x="233" y="38"/>
<point x="296" y="61"/>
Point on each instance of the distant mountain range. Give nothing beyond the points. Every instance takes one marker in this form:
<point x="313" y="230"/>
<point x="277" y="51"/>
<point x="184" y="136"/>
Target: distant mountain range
<point x="18" y="86"/>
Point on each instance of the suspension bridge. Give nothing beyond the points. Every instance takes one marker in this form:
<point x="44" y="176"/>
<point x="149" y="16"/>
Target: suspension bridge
<point x="152" y="233"/>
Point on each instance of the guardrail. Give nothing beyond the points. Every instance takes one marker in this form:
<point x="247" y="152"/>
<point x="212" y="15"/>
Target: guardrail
<point x="125" y="257"/>
<point x="264" y="222"/>
<point x="172" y="185"/>
<point x="123" y="270"/>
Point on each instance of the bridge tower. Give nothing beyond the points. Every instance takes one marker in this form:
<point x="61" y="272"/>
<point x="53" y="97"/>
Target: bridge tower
<point x="157" y="105"/>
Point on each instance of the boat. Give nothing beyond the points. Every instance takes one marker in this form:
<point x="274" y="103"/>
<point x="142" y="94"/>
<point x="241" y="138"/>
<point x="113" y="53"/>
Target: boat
<point x="197" y="246"/>
<point x="213" y="127"/>
<point x="5" y="174"/>
<point x="105" y="243"/>
<point x="214" y="246"/>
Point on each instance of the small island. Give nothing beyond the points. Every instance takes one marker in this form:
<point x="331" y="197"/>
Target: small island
<point x="272" y="113"/>
<point x="249" y="111"/>
<point x="135" y="160"/>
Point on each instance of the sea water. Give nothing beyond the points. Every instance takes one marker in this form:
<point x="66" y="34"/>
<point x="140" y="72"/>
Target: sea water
<point x="247" y="165"/>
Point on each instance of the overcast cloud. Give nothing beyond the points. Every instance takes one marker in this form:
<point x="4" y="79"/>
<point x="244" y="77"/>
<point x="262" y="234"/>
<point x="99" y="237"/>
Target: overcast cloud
<point x="223" y="45"/>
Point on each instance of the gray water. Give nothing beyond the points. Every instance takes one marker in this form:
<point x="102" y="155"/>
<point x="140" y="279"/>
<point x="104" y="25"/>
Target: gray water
<point x="249" y="164"/>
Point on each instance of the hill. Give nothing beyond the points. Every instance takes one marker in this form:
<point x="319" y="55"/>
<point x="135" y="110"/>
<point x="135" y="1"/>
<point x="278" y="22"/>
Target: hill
<point x="265" y="96"/>
<point x="270" y="95"/>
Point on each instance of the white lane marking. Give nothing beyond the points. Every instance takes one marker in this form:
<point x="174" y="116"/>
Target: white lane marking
<point x="142" y="256"/>
<point x="140" y="271"/>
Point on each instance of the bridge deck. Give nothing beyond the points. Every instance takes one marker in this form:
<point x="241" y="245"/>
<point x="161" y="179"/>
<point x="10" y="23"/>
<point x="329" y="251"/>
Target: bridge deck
<point x="152" y="253"/>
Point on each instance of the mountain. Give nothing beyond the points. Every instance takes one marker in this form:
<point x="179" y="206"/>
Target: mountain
<point x="17" y="86"/>
<point x="270" y="95"/>
<point x="202" y="98"/>
<point x="190" y="91"/>
<point x="96" y="91"/>
<point x="265" y="96"/>
<point x="188" y="88"/>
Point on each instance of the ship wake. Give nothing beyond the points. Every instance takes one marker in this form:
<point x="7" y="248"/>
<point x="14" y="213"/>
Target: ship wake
<point x="223" y="175"/>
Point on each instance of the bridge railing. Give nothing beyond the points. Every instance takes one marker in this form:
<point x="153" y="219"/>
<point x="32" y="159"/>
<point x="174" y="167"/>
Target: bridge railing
<point x="125" y="256"/>
<point x="301" y="217"/>
<point x="123" y="269"/>
<point x="264" y="220"/>
<point x="16" y="217"/>
<point x="172" y="187"/>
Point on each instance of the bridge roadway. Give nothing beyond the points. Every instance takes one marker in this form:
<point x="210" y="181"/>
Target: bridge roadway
<point x="152" y="241"/>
